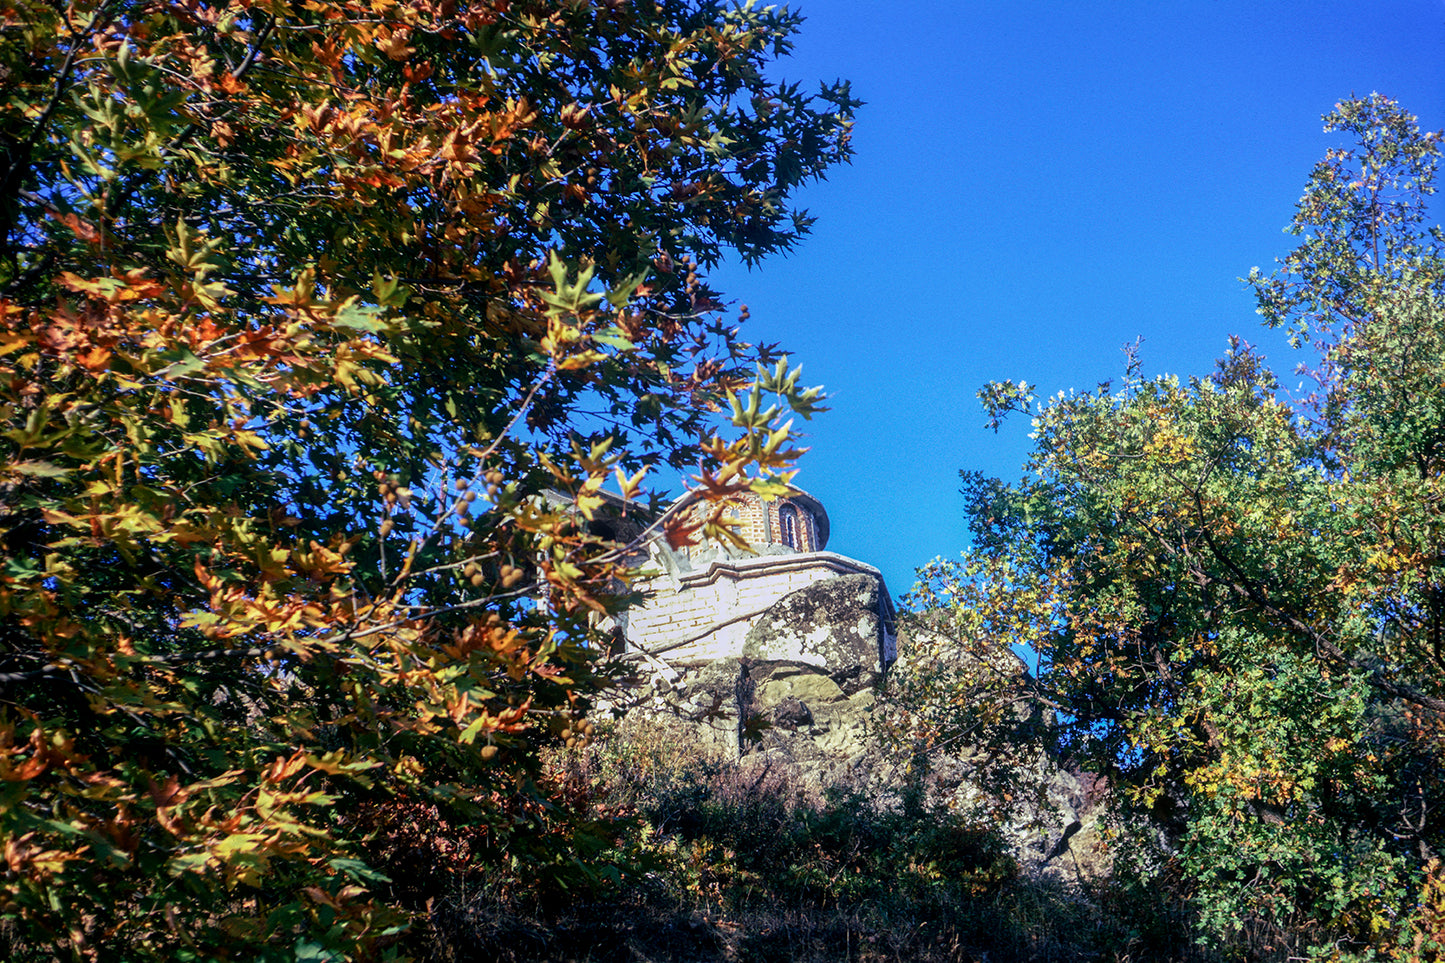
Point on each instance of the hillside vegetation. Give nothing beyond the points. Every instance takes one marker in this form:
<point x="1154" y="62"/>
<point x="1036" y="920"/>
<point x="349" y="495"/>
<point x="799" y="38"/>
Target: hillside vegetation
<point x="322" y="327"/>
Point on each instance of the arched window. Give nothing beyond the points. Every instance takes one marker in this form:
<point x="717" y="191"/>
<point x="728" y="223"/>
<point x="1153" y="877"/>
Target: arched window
<point x="788" y="524"/>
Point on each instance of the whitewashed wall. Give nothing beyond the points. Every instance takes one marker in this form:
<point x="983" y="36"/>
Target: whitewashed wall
<point x="696" y="617"/>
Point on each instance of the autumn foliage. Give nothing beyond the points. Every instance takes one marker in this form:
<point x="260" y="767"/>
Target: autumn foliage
<point x="322" y="326"/>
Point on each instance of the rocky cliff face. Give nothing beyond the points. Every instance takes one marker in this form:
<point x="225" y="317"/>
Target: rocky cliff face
<point x="802" y="696"/>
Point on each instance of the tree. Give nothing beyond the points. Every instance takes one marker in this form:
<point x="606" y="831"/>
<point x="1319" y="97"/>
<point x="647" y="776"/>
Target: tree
<point x="324" y="325"/>
<point x="1247" y="633"/>
<point x="958" y="690"/>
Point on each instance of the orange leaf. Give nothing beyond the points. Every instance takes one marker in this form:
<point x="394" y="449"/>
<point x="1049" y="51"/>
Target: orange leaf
<point x="82" y="229"/>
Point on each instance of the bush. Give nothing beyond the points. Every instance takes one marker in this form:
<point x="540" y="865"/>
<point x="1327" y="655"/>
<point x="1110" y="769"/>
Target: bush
<point x="710" y="859"/>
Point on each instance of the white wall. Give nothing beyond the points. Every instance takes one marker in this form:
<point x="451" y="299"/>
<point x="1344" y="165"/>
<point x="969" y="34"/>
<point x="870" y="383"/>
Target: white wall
<point x="701" y="616"/>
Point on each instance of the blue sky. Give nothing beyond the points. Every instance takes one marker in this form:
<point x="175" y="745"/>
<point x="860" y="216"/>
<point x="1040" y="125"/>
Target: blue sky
<point x="1037" y="184"/>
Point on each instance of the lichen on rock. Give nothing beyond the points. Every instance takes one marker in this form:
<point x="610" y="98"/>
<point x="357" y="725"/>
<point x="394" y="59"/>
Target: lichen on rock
<point x="833" y="625"/>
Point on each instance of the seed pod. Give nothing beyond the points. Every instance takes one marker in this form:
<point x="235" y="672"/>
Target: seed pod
<point x="488" y="751"/>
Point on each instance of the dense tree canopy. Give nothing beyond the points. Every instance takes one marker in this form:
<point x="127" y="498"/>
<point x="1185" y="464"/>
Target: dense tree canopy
<point x="322" y="325"/>
<point x="1237" y="594"/>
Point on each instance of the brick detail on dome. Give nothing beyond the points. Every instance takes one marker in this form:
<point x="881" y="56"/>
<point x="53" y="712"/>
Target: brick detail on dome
<point x="797" y="521"/>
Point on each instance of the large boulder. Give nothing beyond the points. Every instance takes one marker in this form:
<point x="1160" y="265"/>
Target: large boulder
<point x="808" y="675"/>
<point x="801" y="711"/>
<point x="831" y="625"/>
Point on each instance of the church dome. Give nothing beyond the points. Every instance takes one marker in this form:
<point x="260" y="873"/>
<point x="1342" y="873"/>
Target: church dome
<point x="796" y="521"/>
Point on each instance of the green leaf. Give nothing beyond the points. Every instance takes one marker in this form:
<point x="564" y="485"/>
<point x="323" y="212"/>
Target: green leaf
<point x="357" y="870"/>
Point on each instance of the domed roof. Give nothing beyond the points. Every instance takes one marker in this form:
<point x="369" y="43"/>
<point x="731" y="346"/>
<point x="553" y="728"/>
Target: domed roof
<point x="761" y="518"/>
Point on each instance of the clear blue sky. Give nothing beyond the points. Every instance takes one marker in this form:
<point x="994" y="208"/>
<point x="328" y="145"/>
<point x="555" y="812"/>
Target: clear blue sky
<point x="1035" y="185"/>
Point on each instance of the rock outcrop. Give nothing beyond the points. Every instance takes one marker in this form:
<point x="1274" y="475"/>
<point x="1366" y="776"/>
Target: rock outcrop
<point x="813" y="668"/>
<point x="831" y="625"/>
